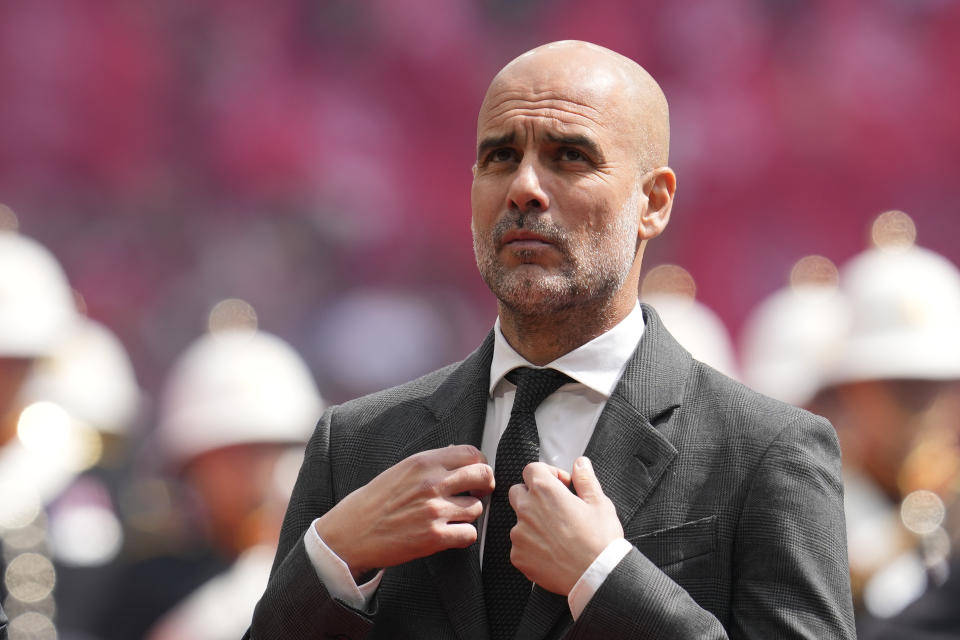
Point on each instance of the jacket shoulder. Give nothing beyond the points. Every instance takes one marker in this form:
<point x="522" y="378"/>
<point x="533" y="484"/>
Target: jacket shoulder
<point x="407" y="396"/>
<point x="738" y="408"/>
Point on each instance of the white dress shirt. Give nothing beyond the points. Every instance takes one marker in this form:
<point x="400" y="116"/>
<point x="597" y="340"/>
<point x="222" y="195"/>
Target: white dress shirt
<point x="565" y="421"/>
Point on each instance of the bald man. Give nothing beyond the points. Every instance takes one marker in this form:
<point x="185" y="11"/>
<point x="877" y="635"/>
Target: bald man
<point x="579" y="475"/>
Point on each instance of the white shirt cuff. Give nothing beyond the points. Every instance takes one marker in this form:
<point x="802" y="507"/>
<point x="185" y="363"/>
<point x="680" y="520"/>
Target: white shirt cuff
<point x="582" y="592"/>
<point x="335" y="574"/>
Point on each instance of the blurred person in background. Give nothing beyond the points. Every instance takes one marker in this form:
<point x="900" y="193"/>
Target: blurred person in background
<point x="237" y="408"/>
<point x="935" y="614"/>
<point x="86" y="394"/>
<point x="37" y="311"/>
<point x="887" y="390"/>
<point x="699" y="509"/>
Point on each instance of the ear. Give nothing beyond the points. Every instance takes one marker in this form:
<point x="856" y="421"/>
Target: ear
<point x="659" y="186"/>
<point x="473" y="169"/>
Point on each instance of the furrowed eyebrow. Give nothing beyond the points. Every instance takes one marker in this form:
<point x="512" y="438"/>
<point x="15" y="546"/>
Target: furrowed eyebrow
<point x="492" y="143"/>
<point x="577" y="141"/>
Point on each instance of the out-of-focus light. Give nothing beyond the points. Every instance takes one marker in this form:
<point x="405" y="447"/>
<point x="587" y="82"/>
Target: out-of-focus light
<point x="21" y="505"/>
<point x="232" y="313"/>
<point x="8" y="219"/>
<point x="28" y="538"/>
<point x="922" y="512"/>
<point x="46" y="427"/>
<point x="33" y="625"/>
<point x="894" y="230"/>
<point x="814" y="271"/>
<point x="87" y="535"/>
<point x="896" y="585"/>
<point x="668" y="279"/>
<point x="30" y="577"/>
<point x="89" y="447"/>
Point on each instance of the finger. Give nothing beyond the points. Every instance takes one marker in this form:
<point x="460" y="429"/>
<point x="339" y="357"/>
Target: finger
<point x="457" y="455"/>
<point x="536" y="470"/>
<point x="476" y="479"/>
<point x="464" y="509"/>
<point x="561" y="474"/>
<point x="517" y="495"/>
<point x="459" y="535"/>
<point x="585" y="480"/>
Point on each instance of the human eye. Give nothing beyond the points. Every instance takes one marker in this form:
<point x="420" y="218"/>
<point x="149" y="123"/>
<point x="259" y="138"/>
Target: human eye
<point x="501" y="154"/>
<point x="571" y="154"/>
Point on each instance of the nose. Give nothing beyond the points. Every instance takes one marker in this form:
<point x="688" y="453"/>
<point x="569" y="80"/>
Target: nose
<point x="526" y="194"/>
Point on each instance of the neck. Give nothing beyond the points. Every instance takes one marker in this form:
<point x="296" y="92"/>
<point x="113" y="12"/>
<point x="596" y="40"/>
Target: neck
<point x="543" y="337"/>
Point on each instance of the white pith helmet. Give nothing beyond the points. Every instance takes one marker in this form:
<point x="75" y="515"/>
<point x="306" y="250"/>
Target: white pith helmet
<point x="670" y="290"/>
<point x="90" y="375"/>
<point x="236" y="386"/>
<point x="36" y="304"/>
<point x="789" y="339"/>
<point x="905" y="304"/>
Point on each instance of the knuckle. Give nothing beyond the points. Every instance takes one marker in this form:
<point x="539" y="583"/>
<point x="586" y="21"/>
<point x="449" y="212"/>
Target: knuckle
<point x="434" y="509"/>
<point x="430" y="485"/>
<point x="517" y="560"/>
<point x="537" y="484"/>
<point x="419" y="461"/>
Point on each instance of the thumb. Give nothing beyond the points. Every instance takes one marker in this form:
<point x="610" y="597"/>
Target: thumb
<point x="585" y="480"/>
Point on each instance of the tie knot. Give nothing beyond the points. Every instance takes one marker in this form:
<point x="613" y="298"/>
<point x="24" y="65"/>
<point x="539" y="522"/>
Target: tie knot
<point x="533" y="385"/>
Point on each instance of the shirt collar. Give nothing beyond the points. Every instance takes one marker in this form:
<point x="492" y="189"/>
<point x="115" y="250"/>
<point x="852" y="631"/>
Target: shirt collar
<point x="597" y="364"/>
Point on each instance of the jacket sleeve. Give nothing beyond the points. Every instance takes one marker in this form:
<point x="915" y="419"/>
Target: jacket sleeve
<point x="790" y="574"/>
<point x="295" y="603"/>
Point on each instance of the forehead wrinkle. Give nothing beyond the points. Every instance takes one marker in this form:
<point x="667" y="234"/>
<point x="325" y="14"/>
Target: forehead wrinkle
<point x="549" y="99"/>
<point x="560" y="119"/>
<point x="534" y="96"/>
<point x="548" y="109"/>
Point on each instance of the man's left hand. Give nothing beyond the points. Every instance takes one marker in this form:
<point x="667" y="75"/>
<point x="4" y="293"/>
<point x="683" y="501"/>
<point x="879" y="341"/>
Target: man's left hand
<point x="558" y="534"/>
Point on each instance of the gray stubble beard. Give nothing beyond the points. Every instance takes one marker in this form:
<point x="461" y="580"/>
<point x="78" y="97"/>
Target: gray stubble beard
<point x="591" y="278"/>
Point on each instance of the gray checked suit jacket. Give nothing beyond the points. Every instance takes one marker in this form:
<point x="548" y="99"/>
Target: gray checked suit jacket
<point x="733" y="503"/>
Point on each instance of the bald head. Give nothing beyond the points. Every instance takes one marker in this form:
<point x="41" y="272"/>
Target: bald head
<point x="603" y="81"/>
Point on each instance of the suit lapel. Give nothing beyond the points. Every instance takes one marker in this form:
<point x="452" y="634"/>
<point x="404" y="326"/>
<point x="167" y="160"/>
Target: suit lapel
<point x="459" y="407"/>
<point x="629" y="454"/>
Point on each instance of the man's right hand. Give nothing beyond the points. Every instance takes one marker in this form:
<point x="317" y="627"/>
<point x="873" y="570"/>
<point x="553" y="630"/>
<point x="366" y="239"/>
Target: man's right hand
<point x="412" y="510"/>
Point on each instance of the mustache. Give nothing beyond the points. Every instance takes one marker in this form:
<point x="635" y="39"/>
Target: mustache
<point x="550" y="233"/>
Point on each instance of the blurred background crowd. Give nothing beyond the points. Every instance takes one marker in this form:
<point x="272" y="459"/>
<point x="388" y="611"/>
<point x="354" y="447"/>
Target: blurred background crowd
<point x="219" y="216"/>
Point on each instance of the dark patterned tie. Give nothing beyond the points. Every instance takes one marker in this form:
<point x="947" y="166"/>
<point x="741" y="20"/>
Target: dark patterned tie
<point x="506" y="589"/>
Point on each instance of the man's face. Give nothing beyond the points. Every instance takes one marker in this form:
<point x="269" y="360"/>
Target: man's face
<point x="556" y="193"/>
